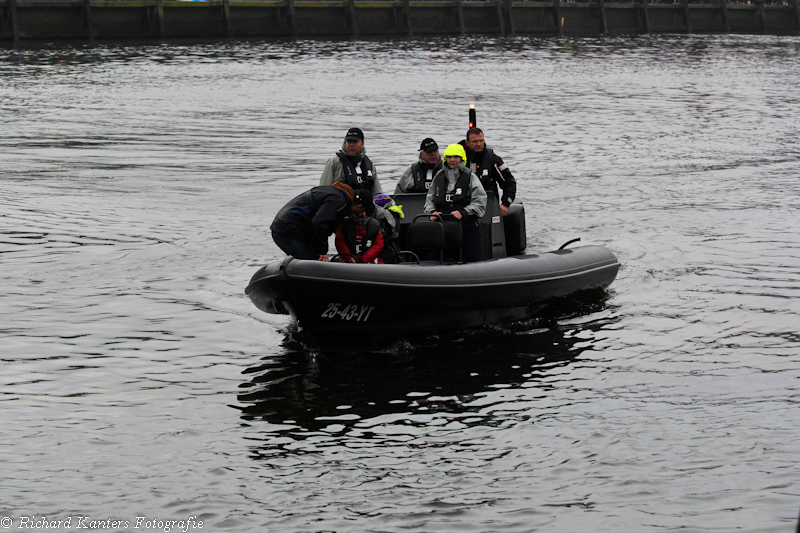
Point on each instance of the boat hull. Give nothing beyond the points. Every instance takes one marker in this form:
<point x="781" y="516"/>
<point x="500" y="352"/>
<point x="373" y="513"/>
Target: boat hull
<point x="347" y="307"/>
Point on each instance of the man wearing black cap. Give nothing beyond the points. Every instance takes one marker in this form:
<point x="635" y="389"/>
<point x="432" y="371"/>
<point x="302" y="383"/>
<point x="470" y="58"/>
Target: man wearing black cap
<point x="351" y="165"/>
<point x="418" y="177"/>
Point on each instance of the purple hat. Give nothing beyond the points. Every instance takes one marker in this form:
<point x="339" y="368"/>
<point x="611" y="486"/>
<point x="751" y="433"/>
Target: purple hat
<point x="382" y="199"/>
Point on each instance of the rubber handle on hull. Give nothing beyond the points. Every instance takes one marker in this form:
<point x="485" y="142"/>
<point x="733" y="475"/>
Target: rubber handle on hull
<point x="569" y="242"/>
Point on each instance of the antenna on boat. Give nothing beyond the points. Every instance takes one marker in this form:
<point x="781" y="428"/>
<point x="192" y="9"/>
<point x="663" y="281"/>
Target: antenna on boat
<point x="472" y="120"/>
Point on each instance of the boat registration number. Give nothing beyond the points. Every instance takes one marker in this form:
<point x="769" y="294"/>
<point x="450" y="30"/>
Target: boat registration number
<point x="359" y="313"/>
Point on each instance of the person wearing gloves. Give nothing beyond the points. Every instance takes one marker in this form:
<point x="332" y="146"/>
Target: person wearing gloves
<point x="351" y="165"/>
<point x="302" y="227"/>
<point x="457" y="191"/>
<point x="418" y="176"/>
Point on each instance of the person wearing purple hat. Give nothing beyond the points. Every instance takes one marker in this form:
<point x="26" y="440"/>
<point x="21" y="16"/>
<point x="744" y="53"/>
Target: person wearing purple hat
<point x="351" y="165"/>
<point x="418" y="176"/>
<point x="389" y="215"/>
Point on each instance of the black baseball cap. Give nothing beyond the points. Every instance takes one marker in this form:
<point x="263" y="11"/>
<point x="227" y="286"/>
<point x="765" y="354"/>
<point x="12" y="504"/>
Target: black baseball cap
<point x="428" y="145"/>
<point x="354" y="133"/>
<point x="364" y="197"/>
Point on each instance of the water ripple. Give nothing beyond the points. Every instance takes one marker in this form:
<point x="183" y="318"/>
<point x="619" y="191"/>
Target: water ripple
<point x="139" y="182"/>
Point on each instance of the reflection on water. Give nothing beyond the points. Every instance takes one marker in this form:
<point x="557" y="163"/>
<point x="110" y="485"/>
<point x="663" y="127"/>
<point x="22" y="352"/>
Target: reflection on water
<point x="444" y="378"/>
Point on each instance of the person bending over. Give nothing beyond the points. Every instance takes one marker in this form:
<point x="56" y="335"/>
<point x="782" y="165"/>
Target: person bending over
<point x="302" y="227"/>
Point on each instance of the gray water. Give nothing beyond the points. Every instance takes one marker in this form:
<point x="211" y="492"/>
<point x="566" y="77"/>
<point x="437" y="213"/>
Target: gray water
<point x="138" y="185"/>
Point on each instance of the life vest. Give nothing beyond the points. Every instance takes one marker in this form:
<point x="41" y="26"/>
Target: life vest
<point x="484" y="169"/>
<point x="419" y="174"/>
<point x="460" y="197"/>
<point x="357" y="244"/>
<point x="359" y="176"/>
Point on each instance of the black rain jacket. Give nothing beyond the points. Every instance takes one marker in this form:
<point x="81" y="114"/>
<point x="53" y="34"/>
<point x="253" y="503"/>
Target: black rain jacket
<point x="313" y="216"/>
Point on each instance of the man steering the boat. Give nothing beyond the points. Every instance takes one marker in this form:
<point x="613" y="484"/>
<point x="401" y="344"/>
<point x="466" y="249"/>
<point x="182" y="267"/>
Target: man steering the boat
<point x="490" y="168"/>
<point x="456" y="191"/>
<point x="302" y="227"/>
<point x="351" y="165"/>
<point x="419" y="175"/>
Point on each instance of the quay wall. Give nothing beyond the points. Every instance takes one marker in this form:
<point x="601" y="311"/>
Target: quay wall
<point x="163" y="19"/>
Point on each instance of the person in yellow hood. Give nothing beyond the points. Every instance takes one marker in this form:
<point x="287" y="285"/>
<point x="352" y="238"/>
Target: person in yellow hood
<point x="456" y="191"/>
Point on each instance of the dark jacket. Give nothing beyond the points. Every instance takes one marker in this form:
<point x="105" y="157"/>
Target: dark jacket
<point x="491" y="170"/>
<point x="466" y="193"/>
<point x="313" y="216"/>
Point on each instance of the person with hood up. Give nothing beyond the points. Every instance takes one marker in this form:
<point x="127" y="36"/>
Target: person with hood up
<point x="418" y="176"/>
<point x="389" y="215"/>
<point x="302" y="227"/>
<point x="458" y="192"/>
<point x="360" y="236"/>
<point x="351" y="165"/>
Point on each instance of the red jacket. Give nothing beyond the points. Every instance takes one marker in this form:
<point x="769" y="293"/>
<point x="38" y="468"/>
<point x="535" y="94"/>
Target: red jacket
<point x="367" y="256"/>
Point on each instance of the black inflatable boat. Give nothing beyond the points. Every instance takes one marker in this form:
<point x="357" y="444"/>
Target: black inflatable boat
<point x="344" y="306"/>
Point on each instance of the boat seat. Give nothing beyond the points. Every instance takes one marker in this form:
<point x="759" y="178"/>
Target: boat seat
<point x="453" y="237"/>
<point x="435" y="237"/>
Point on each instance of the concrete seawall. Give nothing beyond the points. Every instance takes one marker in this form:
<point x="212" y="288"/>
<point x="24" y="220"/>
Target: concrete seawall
<point x="160" y="19"/>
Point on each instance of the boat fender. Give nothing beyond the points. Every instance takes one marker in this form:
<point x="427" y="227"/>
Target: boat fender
<point x="577" y="239"/>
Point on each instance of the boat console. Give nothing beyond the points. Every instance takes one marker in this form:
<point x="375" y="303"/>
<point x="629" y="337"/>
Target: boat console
<point x="429" y="240"/>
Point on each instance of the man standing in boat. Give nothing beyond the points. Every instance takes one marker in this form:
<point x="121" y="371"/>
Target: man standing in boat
<point x="457" y="191"/>
<point x="418" y="176"/>
<point x="490" y="168"/>
<point x="351" y="165"/>
<point x="302" y="227"/>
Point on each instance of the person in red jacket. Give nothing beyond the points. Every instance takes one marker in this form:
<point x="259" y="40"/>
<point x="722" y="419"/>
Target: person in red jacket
<point x="360" y="235"/>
